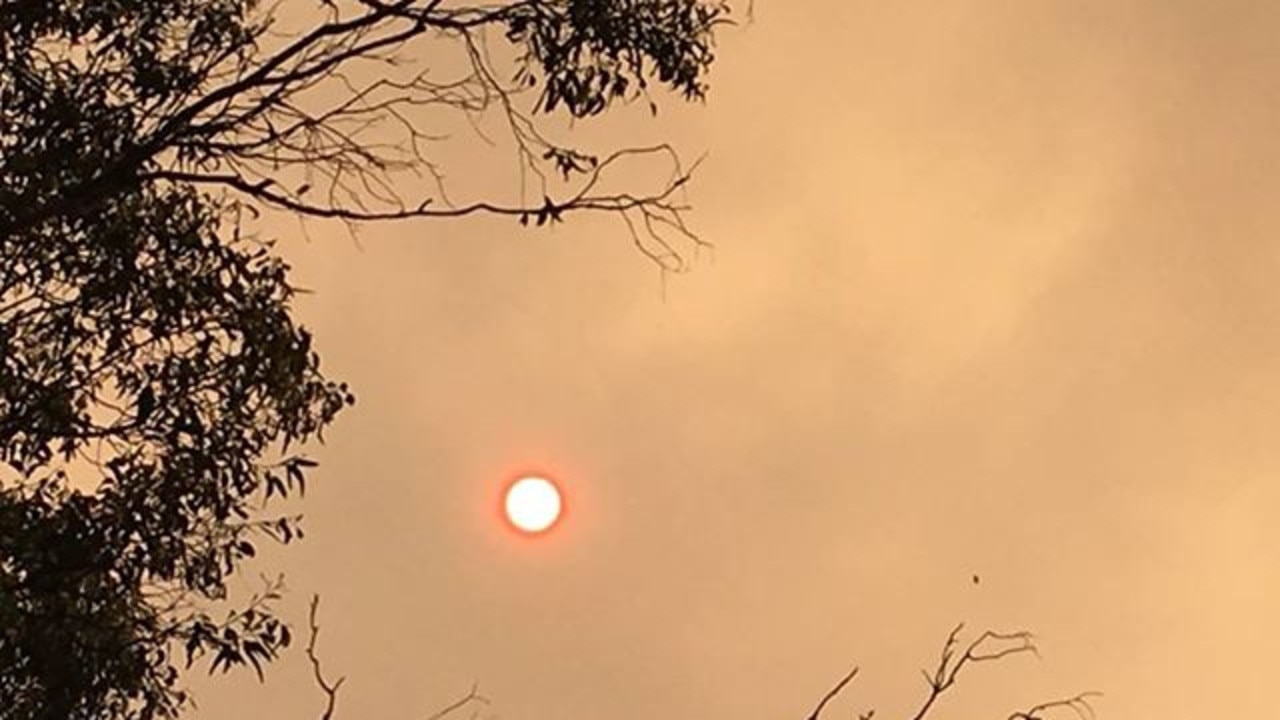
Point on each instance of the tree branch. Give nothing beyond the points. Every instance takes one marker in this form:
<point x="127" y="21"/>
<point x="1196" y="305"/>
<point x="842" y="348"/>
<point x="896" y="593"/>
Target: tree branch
<point x="1078" y="704"/>
<point x="987" y="647"/>
<point x="835" y="690"/>
<point x="330" y="689"/>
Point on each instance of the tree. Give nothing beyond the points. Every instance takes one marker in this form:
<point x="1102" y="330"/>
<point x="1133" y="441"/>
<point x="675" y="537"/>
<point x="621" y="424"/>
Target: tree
<point x="155" y="386"/>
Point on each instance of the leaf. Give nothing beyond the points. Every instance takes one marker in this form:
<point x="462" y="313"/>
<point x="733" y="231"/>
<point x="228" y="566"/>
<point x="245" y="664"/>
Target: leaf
<point x="146" y="404"/>
<point x="193" y="645"/>
<point x="256" y="654"/>
<point x="274" y="486"/>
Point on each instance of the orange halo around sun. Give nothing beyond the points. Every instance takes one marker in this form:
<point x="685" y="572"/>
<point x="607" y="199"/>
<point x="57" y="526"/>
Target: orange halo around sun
<point x="533" y="504"/>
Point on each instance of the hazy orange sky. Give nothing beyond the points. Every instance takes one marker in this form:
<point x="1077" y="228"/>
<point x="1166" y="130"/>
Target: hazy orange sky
<point x="994" y="292"/>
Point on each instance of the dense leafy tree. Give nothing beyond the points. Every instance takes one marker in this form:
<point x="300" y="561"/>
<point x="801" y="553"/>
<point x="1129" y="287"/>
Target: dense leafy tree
<point x="154" y="384"/>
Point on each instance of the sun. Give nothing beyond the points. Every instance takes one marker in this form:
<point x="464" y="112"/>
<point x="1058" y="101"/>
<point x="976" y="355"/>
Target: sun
<point x="533" y="504"/>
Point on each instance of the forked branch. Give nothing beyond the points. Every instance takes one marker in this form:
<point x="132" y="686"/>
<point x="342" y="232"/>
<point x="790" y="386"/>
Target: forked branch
<point x="1078" y="704"/>
<point x="330" y="688"/>
<point x="986" y="647"/>
<point x="955" y="657"/>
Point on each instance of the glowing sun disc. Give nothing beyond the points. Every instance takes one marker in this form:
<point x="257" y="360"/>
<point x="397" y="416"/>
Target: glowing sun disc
<point x="533" y="504"/>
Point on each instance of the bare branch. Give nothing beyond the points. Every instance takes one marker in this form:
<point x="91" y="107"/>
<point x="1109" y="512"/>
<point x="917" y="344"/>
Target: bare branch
<point x="1079" y="705"/>
<point x="835" y="690"/>
<point x="955" y="656"/>
<point x="330" y="689"/>
<point x="472" y="697"/>
<point x="986" y="647"/>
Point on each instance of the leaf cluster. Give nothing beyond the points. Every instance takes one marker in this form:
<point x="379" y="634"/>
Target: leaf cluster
<point x="590" y="53"/>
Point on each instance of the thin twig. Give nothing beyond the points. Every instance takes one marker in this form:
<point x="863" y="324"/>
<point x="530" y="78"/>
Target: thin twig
<point x="835" y="690"/>
<point x="330" y="689"/>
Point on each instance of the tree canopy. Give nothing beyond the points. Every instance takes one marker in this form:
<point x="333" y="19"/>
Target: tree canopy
<point x="155" y="385"/>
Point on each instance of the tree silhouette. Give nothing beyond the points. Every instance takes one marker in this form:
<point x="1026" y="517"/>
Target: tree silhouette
<point x="154" y="384"/>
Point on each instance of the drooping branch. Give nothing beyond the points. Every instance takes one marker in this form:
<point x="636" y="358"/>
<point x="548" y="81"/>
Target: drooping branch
<point x="268" y="191"/>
